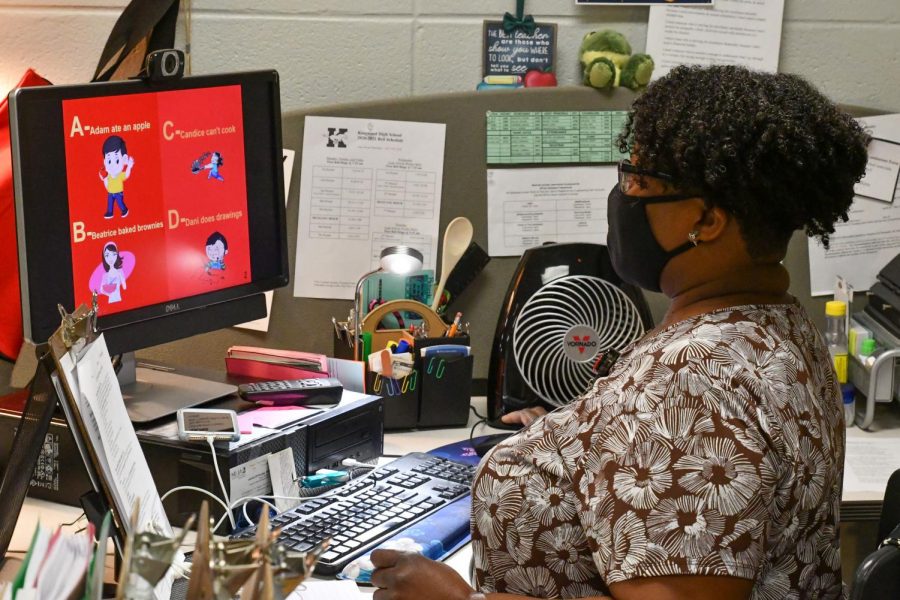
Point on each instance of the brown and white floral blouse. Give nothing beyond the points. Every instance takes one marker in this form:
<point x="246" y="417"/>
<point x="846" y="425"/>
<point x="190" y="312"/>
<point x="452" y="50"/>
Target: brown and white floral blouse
<point x="714" y="447"/>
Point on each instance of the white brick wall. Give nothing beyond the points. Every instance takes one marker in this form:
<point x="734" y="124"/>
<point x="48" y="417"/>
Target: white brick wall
<point x="338" y="51"/>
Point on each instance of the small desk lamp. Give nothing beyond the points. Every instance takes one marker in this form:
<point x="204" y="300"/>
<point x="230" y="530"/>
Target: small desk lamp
<point x="399" y="260"/>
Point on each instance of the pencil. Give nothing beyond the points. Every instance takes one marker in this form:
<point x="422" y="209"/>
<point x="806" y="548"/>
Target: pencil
<point x="452" y="331"/>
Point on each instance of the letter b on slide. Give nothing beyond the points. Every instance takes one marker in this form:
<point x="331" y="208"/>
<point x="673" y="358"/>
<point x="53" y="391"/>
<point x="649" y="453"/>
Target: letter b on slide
<point x="78" y="231"/>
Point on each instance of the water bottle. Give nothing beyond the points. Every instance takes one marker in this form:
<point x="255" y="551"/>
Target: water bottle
<point x="836" y="336"/>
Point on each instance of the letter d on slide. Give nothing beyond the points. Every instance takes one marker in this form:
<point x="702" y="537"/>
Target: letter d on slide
<point x="78" y="231"/>
<point x="173" y="218"/>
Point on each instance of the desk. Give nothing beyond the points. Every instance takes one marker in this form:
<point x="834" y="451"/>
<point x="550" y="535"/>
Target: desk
<point x="859" y="510"/>
<point x="399" y="443"/>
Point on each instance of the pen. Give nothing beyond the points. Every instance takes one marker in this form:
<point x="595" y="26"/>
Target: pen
<point x="452" y="331"/>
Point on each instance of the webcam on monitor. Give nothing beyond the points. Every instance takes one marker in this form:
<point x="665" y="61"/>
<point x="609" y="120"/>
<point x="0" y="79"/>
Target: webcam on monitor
<point x="161" y="65"/>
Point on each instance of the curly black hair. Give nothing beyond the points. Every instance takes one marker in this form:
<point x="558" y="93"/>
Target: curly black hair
<point x="768" y="148"/>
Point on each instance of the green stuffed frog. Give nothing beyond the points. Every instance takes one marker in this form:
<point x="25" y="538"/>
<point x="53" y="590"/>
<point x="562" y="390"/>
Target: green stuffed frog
<point x="608" y="62"/>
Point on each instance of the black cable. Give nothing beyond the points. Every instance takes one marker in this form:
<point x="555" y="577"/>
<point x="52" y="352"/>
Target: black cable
<point x="477" y="423"/>
<point x="482" y="417"/>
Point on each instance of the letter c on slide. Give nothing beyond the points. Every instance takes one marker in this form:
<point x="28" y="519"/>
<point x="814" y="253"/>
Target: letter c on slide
<point x="167" y="130"/>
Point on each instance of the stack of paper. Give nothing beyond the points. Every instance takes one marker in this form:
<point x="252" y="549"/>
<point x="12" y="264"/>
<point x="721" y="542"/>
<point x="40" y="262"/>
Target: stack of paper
<point x="56" y="566"/>
<point x="98" y="398"/>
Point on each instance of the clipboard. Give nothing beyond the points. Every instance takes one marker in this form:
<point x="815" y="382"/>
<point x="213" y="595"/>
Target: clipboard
<point x="46" y="389"/>
<point x="76" y="331"/>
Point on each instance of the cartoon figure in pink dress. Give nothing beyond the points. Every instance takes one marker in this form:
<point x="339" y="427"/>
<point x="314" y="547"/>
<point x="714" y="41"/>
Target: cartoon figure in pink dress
<point x="110" y="276"/>
<point x="118" y="168"/>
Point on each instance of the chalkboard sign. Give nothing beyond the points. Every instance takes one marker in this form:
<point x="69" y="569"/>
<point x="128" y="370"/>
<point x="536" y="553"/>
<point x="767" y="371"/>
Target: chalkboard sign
<point x="517" y="52"/>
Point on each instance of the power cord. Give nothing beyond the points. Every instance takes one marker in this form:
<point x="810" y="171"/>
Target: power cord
<point x="224" y="503"/>
<point x="212" y="450"/>
<point x="482" y="421"/>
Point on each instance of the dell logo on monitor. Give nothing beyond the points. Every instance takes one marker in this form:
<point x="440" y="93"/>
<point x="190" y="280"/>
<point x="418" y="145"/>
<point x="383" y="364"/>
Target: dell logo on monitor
<point x="173" y="307"/>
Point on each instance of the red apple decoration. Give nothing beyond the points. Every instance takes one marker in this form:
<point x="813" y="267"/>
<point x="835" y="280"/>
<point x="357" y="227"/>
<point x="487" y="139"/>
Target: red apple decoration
<point x="536" y="78"/>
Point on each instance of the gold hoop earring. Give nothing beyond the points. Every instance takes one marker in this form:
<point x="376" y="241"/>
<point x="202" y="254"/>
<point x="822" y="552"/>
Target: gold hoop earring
<point x="692" y="237"/>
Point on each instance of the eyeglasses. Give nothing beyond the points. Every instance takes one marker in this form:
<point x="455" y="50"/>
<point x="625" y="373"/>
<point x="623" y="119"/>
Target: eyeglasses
<point x="630" y="175"/>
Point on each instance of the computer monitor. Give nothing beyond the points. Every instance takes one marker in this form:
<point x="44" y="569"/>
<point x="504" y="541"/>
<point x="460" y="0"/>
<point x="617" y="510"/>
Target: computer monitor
<point x="166" y="199"/>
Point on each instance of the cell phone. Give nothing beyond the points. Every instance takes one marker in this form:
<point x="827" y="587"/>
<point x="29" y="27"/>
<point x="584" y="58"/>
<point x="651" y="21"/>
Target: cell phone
<point x="200" y="423"/>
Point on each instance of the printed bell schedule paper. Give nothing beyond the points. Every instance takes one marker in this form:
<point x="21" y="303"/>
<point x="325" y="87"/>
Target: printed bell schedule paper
<point x="732" y="32"/>
<point x="554" y="137"/>
<point x="862" y="246"/>
<point x="365" y="185"/>
<point x="527" y="207"/>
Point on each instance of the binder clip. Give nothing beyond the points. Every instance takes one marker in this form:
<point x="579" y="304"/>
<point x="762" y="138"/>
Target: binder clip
<point x="80" y="327"/>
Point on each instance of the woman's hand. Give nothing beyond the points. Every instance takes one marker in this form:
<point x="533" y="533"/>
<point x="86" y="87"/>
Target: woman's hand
<point x="525" y="417"/>
<point x="411" y="576"/>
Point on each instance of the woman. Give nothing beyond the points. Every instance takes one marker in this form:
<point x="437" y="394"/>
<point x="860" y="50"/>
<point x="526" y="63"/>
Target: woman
<point x="708" y="463"/>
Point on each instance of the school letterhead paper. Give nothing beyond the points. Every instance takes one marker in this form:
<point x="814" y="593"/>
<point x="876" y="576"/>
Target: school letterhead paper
<point x="365" y="184"/>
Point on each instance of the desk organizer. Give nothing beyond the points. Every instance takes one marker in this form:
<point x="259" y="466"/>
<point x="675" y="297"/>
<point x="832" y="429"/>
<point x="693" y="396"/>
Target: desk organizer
<point x="436" y="394"/>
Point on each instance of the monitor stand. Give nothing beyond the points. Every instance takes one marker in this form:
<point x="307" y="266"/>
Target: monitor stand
<point x="154" y="393"/>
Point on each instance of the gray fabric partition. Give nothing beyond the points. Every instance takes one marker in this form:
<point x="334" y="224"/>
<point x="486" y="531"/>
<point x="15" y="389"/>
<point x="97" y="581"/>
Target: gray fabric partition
<point x="305" y="324"/>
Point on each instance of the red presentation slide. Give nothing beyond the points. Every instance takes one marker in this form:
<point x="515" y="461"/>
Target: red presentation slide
<point x="157" y="196"/>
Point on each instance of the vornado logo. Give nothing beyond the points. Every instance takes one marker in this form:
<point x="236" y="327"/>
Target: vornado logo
<point x="580" y="343"/>
<point x="173" y="307"/>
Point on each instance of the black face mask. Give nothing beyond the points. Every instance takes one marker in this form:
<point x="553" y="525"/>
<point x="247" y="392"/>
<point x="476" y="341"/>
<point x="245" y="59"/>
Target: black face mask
<point x="636" y="255"/>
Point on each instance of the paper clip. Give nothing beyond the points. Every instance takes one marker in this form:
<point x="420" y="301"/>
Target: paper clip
<point x="439" y="373"/>
<point x="376" y="387"/>
<point x="393" y="386"/>
<point x="409" y="382"/>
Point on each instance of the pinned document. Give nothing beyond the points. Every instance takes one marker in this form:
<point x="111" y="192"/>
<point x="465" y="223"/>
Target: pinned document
<point x="365" y="185"/>
<point x="733" y="32"/>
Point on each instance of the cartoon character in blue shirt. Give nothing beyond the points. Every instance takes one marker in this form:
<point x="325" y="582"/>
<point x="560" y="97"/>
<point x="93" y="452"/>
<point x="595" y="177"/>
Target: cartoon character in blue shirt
<point x="215" y="162"/>
<point x="216" y="249"/>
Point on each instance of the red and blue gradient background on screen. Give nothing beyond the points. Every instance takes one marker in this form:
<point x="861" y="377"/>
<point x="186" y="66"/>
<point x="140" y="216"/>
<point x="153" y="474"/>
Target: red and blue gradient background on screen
<point x="166" y="133"/>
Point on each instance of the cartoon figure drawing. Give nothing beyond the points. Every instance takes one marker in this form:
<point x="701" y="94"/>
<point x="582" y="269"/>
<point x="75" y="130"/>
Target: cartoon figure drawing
<point x="216" y="249"/>
<point x="215" y="162"/>
<point x="109" y="278"/>
<point x="111" y="274"/>
<point x="118" y="168"/>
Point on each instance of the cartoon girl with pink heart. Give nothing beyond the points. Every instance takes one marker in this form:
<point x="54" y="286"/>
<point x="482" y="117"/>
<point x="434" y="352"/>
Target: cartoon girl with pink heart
<point x="111" y="274"/>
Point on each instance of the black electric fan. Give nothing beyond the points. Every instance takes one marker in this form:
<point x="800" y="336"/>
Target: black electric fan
<point x="565" y="307"/>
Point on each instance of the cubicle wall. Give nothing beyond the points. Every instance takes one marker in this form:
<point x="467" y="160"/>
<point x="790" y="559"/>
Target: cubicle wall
<point x="303" y="323"/>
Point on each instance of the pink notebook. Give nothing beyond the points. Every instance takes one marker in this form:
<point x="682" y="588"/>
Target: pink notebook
<point x="273" y="417"/>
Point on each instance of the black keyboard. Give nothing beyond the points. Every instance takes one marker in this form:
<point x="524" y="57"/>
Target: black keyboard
<point x="363" y="513"/>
